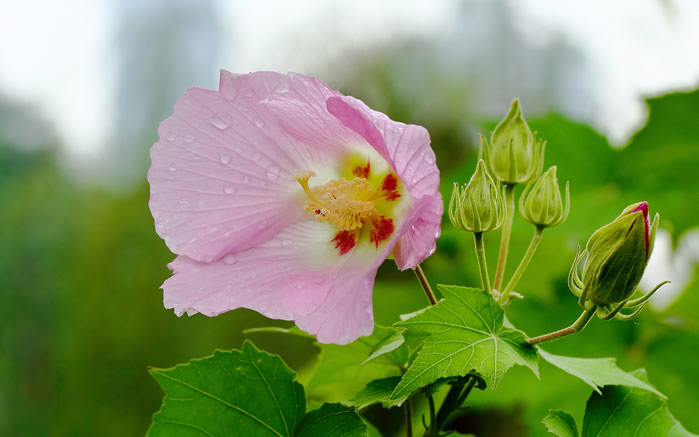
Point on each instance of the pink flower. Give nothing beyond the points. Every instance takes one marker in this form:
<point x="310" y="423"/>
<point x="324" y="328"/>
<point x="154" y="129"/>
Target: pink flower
<point x="282" y="195"/>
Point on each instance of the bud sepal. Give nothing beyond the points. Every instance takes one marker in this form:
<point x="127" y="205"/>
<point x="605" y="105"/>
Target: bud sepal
<point x="541" y="203"/>
<point x="478" y="206"/>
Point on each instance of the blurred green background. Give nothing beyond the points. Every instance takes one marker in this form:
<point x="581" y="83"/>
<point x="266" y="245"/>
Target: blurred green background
<point x="81" y="314"/>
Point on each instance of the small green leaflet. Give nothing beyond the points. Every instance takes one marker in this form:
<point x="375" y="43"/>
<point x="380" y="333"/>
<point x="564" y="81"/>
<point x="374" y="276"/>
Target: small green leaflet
<point x="620" y="411"/>
<point x="250" y="391"/>
<point x="379" y="390"/>
<point x="561" y="423"/>
<point x="597" y="372"/>
<point x="466" y="333"/>
<point x="331" y="420"/>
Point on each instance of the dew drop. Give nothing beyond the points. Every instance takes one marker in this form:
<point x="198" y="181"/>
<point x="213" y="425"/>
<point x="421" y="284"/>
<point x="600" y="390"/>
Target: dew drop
<point x="299" y="285"/>
<point x="259" y="123"/>
<point x="172" y="168"/>
<point x="273" y="173"/>
<point x="429" y="158"/>
<point x="188" y="138"/>
<point x="171" y="136"/>
<point x="229" y="189"/>
<point x="286" y="242"/>
<point x="248" y="94"/>
<point x="229" y="259"/>
<point x="225" y="159"/>
<point x="219" y="124"/>
<point x="246" y="179"/>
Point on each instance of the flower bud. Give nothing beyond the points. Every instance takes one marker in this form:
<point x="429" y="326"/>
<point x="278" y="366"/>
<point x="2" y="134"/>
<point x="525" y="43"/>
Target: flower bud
<point x="514" y="156"/>
<point x="478" y="206"/>
<point x="541" y="203"/>
<point x="617" y="256"/>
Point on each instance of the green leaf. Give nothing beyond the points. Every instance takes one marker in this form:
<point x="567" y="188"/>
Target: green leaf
<point x="621" y="411"/>
<point x="387" y="346"/>
<point x="466" y="334"/>
<point x="250" y="391"/>
<point x="341" y="374"/>
<point x="331" y="420"/>
<point x="379" y="390"/>
<point x="597" y="372"/>
<point x="561" y="423"/>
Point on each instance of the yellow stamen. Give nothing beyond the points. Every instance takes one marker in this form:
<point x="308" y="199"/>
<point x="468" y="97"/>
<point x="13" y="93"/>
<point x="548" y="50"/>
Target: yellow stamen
<point x="344" y="203"/>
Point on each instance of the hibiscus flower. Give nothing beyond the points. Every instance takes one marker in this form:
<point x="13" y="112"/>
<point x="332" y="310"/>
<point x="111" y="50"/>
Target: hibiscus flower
<point x="282" y="195"/>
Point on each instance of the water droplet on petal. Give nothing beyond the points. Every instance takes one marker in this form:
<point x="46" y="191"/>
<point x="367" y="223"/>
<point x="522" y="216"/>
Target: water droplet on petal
<point x="248" y="94"/>
<point x="273" y="173"/>
<point x="225" y="159"/>
<point x="299" y="285"/>
<point x="219" y="124"/>
<point x="429" y="158"/>
<point x="229" y="259"/>
<point x="246" y="179"/>
<point x="171" y="136"/>
<point x="188" y="138"/>
<point x="172" y="168"/>
<point x="259" y="123"/>
<point x="229" y="189"/>
<point x="286" y="242"/>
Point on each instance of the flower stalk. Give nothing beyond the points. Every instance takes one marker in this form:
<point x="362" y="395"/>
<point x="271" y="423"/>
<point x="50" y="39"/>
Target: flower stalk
<point x="482" y="264"/>
<point x="522" y="267"/>
<point x="509" y="194"/>
<point x="425" y="285"/>
<point x="576" y="327"/>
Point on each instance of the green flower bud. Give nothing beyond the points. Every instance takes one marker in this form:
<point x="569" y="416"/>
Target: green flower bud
<point x="514" y="156"/>
<point x="617" y="256"/>
<point x="541" y="203"/>
<point x="478" y="206"/>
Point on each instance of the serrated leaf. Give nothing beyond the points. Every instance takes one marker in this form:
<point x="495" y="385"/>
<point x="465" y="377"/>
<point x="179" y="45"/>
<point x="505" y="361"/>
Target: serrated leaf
<point x="597" y="372"/>
<point x="466" y="334"/>
<point x="331" y="420"/>
<point x="390" y="348"/>
<point x="249" y="390"/>
<point x="622" y="411"/>
<point x="379" y="390"/>
<point x="561" y="423"/>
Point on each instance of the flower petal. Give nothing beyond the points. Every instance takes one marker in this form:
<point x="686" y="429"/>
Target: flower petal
<point x="276" y="278"/>
<point x="405" y="146"/>
<point x="347" y="313"/>
<point x="419" y="241"/>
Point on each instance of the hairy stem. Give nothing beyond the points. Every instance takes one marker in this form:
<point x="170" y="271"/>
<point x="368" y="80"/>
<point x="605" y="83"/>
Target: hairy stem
<point x="448" y="405"/>
<point x="425" y="285"/>
<point x="505" y="236"/>
<point x="577" y="326"/>
<point x="482" y="264"/>
<point x="523" y="264"/>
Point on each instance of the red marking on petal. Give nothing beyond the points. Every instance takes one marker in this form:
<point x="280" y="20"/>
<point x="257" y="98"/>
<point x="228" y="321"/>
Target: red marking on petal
<point x="389" y="187"/>
<point x="381" y="230"/>
<point x="643" y="206"/>
<point x="362" y="171"/>
<point x="345" y="241"/>
<point x="317" y="211"/>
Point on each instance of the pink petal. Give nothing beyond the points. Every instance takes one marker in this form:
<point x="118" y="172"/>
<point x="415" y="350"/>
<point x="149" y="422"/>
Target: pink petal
<point x="222" y="173"/>
<point x="407" y="148"/>
<point x="276" y="278"/>
<point x="346" y="314"/>
<point x="419" y="241"/>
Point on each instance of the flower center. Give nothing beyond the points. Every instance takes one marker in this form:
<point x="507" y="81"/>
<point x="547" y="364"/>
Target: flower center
<point x="344" y="203"/>
<point x="360" y="204"/>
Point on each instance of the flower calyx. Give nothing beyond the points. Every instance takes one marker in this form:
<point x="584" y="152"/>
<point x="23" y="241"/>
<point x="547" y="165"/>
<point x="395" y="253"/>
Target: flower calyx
<point x="617" y="256"/>
<point x="541" y="203"/>
<point x="514" y="155"/>
<point x="477" y="206"/>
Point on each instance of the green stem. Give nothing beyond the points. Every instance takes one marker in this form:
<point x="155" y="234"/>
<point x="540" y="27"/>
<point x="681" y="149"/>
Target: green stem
<point x="408" y="419"/>
<point x="448" y="405"/>
<point x="577" y="326"/>
<point x="471" y="383"/>
<point x="505" y="236"/>
<point x="522" y="267"/>
<point x="425" y="285"/>
<point x="482" y="264"/>
<point x="430" y="399"/>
